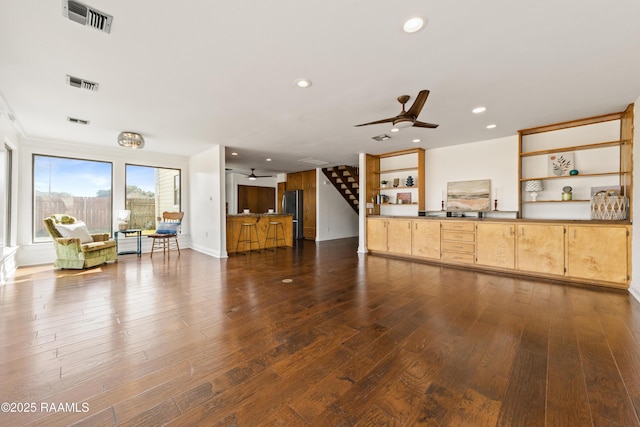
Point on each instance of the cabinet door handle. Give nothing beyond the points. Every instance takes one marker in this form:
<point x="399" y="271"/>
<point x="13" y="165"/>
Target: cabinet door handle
<point x="574" y="233"/>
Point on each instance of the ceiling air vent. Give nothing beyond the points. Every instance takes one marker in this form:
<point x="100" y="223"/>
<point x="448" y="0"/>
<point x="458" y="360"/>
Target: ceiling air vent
<point x="86" y="15"/>
<point x="382" y="137"/>
<point x="78" y="121"/>
<point x="82" y="83"/>
<point x="313" y="161"/>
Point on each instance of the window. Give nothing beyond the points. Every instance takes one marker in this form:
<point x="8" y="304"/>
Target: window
<point x="149" y="192"/>
<point x="76" y="187"/>
<point x="5" y="201"/>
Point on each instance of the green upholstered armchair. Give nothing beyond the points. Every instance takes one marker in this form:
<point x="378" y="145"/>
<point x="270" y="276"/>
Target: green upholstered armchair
<point x="71" y="253"/>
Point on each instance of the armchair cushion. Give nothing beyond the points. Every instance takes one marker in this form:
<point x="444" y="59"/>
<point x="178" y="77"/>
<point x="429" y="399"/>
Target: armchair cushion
<point x="78" y="230"/>
<point x="168" y="228"/>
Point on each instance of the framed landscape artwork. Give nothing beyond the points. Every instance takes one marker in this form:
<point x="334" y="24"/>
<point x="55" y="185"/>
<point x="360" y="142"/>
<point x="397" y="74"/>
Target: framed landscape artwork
<point x="469" y="196"/>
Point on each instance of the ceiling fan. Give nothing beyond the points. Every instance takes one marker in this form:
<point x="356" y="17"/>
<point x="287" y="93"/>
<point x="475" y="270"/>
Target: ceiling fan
<point x="252" y="176"/>
<point x="408" y="118"/>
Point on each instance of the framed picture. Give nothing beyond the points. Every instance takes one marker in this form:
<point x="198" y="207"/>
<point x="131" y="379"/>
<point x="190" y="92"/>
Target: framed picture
<point x="469" y="196"/>
<point x="561" y="163"/>
<point x="404" y="198"/>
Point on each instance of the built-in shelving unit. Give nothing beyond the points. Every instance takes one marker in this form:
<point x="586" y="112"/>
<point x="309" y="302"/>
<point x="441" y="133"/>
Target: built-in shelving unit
<point x="601" y="150"/>
<point x="396" y="165"/>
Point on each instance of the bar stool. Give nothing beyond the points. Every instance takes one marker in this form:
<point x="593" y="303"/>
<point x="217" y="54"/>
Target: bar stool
<point x="277" y="225"/>
<point x="246" y="228"/>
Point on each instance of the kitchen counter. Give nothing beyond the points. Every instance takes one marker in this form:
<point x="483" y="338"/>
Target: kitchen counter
<point x="234" y="224"/>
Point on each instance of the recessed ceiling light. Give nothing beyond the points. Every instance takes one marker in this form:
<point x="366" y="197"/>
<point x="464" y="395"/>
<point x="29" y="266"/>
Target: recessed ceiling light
<point x="492" y="126"/>
<point x="268" y="160"/>
<point x="415" y="141"/>
<point x="413" y="25"/>
<point x="303" y="83"/>
<point x="234" y="154"/>
<point x="395" y="130"/>
<point x="479" y="110"/>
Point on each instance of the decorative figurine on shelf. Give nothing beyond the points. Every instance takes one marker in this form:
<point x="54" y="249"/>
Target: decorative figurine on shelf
<point x="566" y="193"/>
<point x="396" y="182"/>
<point x="573" y="172"/>
<point x="409" y="182"/>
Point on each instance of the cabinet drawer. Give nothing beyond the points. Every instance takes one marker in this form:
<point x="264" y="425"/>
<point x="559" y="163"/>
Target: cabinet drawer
<point x="458" y="247"/>
<point x="458" y="257"/>
<point x="458" y="226"/>
<point x="458" y="236"/>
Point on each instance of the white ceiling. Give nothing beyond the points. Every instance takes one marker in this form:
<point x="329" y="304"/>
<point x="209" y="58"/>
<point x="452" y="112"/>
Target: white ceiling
<point x="189" y="75"/>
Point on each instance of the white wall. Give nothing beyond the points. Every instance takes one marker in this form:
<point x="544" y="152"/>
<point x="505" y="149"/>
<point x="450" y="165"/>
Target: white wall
<point x="207" y="207"/>
<point x="494" y="159"/>
<point x="635" y="236"/>
<point x="335" y="219"/>
<point x="30" y="253"/>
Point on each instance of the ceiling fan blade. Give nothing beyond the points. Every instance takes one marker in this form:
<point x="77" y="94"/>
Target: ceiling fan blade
<point x="389" y="120"/>
<point x="418" y="124"/>
<point x="418" y="103"/>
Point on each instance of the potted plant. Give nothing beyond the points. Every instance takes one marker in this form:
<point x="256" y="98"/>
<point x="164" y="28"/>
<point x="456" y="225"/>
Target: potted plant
<point x="384" y="183"/>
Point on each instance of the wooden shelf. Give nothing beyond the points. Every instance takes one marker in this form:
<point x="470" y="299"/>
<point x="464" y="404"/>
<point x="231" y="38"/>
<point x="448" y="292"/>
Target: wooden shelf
<point x="397" y="188"/>
<point x="604" y="151"/>
<point x="556" y="201"/>
<point x="573" y="176"/>
<point x="573" y="148"/>
<point x="395" y="165"/>
<point x="396" y="170"/>
<point x="398" y="204"/>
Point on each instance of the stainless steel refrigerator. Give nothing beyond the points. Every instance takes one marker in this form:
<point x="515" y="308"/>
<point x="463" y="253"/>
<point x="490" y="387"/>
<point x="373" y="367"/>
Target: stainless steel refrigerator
<point x="292" y="204"/>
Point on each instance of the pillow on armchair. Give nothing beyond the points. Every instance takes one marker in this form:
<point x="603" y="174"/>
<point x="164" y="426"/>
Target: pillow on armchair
<point x="168" y="228"/>
<point x="78" y="230"/>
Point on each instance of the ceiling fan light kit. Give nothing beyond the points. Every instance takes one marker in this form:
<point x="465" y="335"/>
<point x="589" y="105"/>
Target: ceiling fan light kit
<point x="407" y="118"/>
<point x="413" y="25"/>
<point x="131" y="140"/>
<point x="252" y="176"/>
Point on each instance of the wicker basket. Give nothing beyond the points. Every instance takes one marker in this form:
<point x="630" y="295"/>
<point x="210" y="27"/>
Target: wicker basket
<point x="609" y="205"/>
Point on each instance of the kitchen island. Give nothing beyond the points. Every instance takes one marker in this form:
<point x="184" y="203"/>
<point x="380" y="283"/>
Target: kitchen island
<point x="234" y="224"/>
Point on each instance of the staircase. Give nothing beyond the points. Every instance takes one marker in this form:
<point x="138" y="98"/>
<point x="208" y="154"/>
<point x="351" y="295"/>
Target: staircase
<point x="345" y="179"/>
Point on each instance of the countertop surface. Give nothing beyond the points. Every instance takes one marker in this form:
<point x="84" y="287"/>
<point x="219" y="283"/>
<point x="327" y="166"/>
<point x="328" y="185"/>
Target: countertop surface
<point x="514" y="220"/>
<point x="243" y="215"/>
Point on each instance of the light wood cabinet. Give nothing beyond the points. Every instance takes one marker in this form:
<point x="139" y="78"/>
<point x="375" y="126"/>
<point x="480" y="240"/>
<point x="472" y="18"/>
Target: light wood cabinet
<point x="458" y="240"/>
<point x="571" y="251"/>
<point x="496" y="245"/>
<point x="425" y="239"/>
<point x="399" y="236"/>
<point x="306" y="181"/>
<point x="377" y="234"/>
<point x="294" y="181"/>
<point x="540" y="248"/>
<point x="597" y="253"/>
<point x="389" y="235"/>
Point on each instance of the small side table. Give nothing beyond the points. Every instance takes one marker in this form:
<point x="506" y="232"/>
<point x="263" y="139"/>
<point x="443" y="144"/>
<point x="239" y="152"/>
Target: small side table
<point x="137" y="233"/>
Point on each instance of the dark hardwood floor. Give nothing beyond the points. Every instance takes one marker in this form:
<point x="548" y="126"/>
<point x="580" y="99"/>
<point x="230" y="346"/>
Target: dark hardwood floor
<point x="351" y="340"/>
